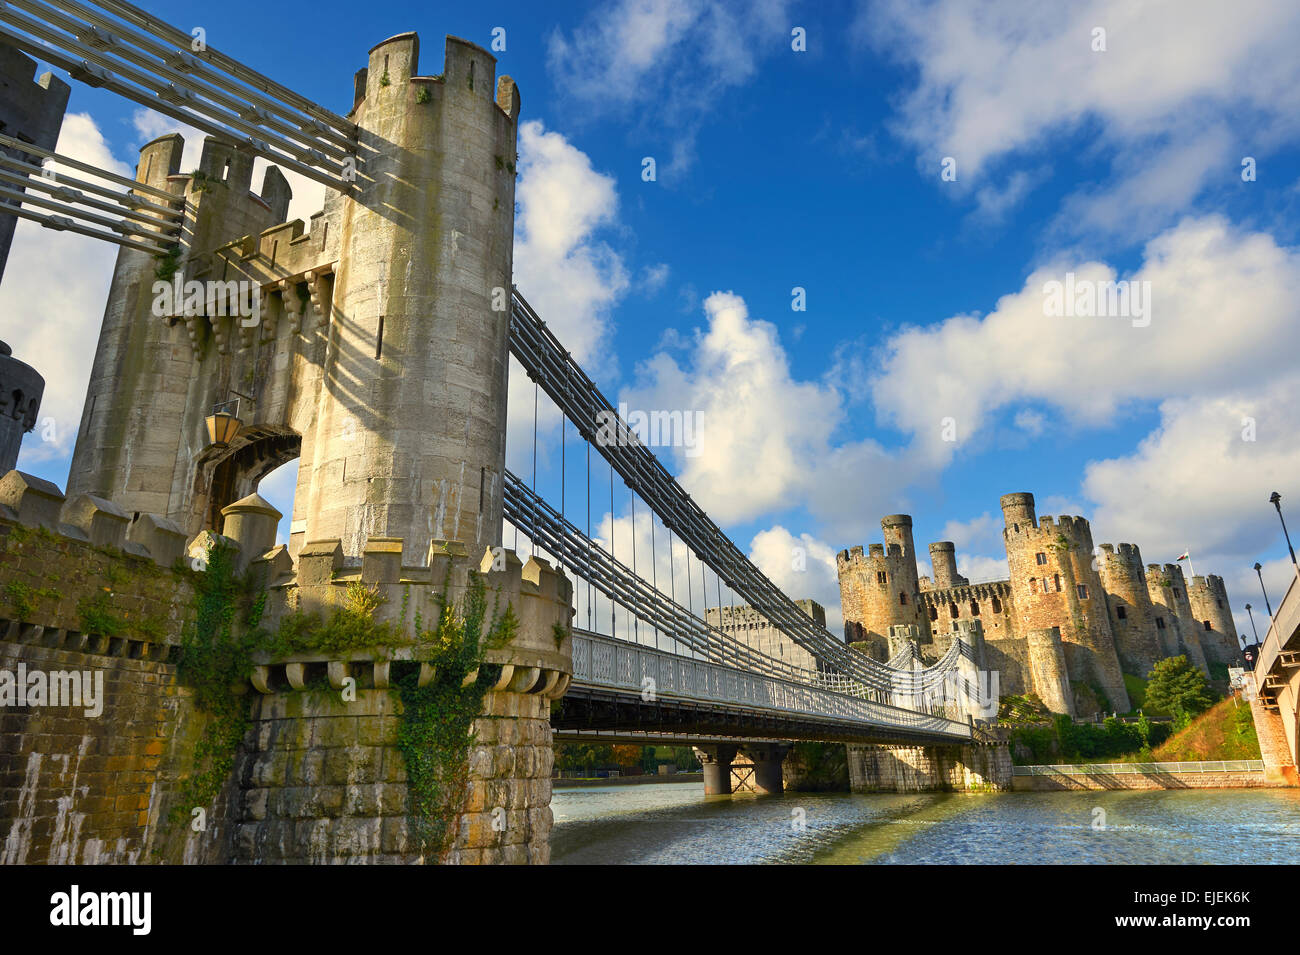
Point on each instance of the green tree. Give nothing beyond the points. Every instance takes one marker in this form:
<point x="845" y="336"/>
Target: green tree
<point x="1177" y="687"/>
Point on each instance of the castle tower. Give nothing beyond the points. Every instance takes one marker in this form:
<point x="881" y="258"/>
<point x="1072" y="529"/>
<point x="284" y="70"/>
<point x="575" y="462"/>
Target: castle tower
<point x="1179" y="632"/>
<point x="381" y="355"/>
<point x="21" y="388"/>
<point x="1053" y="584"/>
<point x="943" y="557"/>
<point x="881" y="589"/>
<point x="30" y="111"/>
<point x="1048" y="673"/>
<point x="1132" y="618"/>
<point x="1209" y="601"/>
<point x="156" y="374"/>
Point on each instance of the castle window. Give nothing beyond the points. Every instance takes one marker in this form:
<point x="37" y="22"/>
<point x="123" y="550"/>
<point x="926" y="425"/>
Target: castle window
<point x="1083" y="591"/>
<point x="1219" y="604"/>
<point x="974" y="608"/>
<point x="902" y="599"/>
<point x="1121" y="613"/>
<point x="1056" y="579"/>
<point x="934" y="613"/>
<point x="1207" y="625"/>
<point x="1040" y="557"/>
<point x="1176" y="593"/>
<point x="997" y="605"/>
<point x="952" y="611"/>
<point x="882" y="577"/>
<point x="1160" y="623"/>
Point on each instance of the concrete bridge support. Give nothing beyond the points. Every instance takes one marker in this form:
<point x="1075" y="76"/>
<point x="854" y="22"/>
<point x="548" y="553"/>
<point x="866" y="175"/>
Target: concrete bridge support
<point x="717" y="768"/>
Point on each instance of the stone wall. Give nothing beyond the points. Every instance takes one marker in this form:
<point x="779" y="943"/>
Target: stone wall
<point x="325" y="782"/>
<point x="317" y="777"/>
<point x="1274" y="747"/>
<point x="975" y="767"/>
<point x="1059" y="782"/>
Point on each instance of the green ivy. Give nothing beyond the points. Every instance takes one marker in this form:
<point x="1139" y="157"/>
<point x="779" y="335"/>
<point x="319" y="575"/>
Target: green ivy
<point x="22" y="598"/>
<point x="216" y="654"/>
<point x="436" y="730"/>
<point x="98" y="618"/>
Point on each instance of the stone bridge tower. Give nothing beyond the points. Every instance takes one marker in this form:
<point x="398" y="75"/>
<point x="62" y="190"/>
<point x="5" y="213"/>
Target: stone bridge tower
<point x="378" y="356"/>
<point x="1053" y="584"/>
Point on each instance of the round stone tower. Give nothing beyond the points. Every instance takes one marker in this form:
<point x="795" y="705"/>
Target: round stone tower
<point x="1054" y="584"/>
<point x="1209" y="600"/>
<point x="880" y="589"/>
<point x="1048" y="676"/>
<point x="21" y="388"/>
<point x="410" y="429"/>
<point x="1179" y="632"/>
<point x="1132" y="619"/>
<point x="943" y="558"/>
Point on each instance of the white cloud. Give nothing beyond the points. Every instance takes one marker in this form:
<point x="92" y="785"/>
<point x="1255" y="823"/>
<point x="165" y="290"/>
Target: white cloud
<point x="767" y="441"/>
<point x="52" y="298"/>
<point x="569" y="275"/>
<point x="802" y="567"/>
<point x="1222" y="311"/>
<point x="1181" y="84"/>
<point x="675" y="60"/>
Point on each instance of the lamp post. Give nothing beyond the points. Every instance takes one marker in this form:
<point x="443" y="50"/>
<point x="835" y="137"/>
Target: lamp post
<point x="1276" y="500"/>
<point x="1260" y="575"/>
<point x="1252" y="622"/>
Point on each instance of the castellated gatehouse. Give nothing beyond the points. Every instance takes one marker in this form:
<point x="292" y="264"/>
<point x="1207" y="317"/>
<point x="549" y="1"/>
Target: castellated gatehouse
<point x="264" y="703"/>
<point x="1068" y="621"/>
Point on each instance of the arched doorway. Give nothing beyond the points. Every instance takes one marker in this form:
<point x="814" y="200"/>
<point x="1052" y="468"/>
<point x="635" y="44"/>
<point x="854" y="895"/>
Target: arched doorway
<point x="226" y="475"/>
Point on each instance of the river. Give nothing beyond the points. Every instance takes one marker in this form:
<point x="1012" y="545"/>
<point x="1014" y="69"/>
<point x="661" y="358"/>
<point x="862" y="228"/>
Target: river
<point x="674" y="823"/>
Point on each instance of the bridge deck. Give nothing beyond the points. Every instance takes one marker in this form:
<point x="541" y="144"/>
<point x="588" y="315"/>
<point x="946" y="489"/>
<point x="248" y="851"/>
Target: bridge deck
<point x="622" y="690"/>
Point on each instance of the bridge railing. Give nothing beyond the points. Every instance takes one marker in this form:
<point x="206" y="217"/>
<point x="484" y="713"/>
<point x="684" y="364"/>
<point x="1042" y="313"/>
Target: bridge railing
<point x="610" y="662"/>
<point x="1285" y="623"/>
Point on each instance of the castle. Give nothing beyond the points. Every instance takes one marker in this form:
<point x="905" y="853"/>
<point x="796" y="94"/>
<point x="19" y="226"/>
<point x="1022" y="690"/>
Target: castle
<point x="1068" y="622"/>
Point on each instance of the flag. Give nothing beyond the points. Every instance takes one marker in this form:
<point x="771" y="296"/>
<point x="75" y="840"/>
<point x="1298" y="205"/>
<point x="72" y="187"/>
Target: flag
<point x="1185" y="555"/>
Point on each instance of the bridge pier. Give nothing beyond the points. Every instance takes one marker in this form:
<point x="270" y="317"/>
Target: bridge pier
<point x="767" y="759"/>
<point x="717" y="768"/>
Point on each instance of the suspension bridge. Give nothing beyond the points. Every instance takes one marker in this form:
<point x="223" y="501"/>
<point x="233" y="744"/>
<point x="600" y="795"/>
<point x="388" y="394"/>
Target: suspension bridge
<point x="648" y="663"/>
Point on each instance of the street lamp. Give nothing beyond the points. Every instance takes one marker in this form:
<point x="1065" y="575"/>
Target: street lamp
<point x="1252" y="622"/>
<point x="1262" y="590"/>
<point x="223" y="425"/>
<point x="1276" y="500"/>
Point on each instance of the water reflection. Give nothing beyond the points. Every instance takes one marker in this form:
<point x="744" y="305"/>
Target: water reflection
<point x="674" y="823"/>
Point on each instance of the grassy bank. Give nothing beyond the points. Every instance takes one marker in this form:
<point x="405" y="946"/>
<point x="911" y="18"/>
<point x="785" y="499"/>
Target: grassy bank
<point x="1225" y="731"/>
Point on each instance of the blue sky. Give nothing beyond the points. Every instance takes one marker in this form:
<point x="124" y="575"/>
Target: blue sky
<point x="820" y="169"/>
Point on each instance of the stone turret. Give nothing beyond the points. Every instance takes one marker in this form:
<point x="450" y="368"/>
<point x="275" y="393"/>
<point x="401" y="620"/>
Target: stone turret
<point x="21" y="388"/>
<point x="1213" y="614"/>
<point x="943" y="557"/>
<point x="1179" y="633"/>
<point x="1055" y="584"/>
<point x="379" y="353"/>
<point x="1132" y="617"/>
<point x="881" y="589"/>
